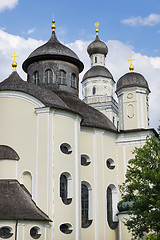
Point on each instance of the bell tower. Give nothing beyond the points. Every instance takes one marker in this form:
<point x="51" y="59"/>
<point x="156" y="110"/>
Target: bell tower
<point x="98" y="84"/>
<point x="132" y="92"/>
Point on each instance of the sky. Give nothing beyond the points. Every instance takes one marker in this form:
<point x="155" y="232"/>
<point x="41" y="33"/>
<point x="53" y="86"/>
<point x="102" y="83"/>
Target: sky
<point x="129" y="28"/>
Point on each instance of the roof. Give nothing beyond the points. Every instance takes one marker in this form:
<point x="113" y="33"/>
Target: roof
<point x="97" y="46"/>
<point x="7" y="152"/>
<point x="16" y="203"/>
<point x="132" y="79"/>
<point x="53" y="50"/>
<point x="97" y="71"/>
<point x="15" y="83"/>
<point x="60" y="100"/>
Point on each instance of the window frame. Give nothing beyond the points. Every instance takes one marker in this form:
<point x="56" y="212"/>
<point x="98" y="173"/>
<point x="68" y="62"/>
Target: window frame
<point x="62" y="77"/>
<point x="36" y="77"/>
<point x="48" y="76"/>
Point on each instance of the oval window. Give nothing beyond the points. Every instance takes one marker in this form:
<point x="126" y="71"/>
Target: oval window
<point x="6" y="232"/>
<point x="66" y="228"/>
<point x="35" y="232"/>
<point x="66" y="148"/>
<point x="85" y="160"/>
<point x="110" y="163"/>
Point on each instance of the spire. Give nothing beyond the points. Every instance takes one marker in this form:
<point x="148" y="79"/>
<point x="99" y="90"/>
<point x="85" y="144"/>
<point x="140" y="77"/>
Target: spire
<point x="131" y="68"/>
<point x="53" y="25"/>
<point x="97" y="25"/>
<point x="14" y="64"/>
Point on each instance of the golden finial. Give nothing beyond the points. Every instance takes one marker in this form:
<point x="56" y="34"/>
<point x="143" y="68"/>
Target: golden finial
<point x="97" y="25"/>
<point x="131" y="68"/>
<point x="14" y="64"/>
<point x="53" y="25"/>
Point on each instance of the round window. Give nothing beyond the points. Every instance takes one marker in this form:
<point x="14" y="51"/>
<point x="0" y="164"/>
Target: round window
<point x="85" y="160"/>
<point x="66" y="228"/>
<point x="66" y="148"/>
<point x="35" y="232"/>
<point x="110" y="163"/>
<point x="6" y="232"/>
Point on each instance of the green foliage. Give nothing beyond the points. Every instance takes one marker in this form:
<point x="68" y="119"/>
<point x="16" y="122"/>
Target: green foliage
<point x="142" y="188"/>
<point x="153" y="236"/>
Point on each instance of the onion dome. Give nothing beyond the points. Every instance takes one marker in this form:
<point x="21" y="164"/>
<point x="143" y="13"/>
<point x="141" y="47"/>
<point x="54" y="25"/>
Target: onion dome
<point x="99" y="71"/>
<point x="97" y="46"/>
<point x="132" y="79"/>
<point x="53" y="50"/>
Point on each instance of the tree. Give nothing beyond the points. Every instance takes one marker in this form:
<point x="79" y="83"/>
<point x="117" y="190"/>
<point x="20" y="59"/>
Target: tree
<point x="142" y="190"/>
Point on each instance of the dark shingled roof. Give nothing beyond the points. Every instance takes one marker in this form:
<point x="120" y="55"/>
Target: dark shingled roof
<point x="97" y="46"/>
<point x="16" y="203"/>
<point x="7" y="152"/>
<point x="60" y="100"/>
<point x="91" y="117"/>
<point x="132" y="79"/>
<point x="97" y="71"/>
<point x="47" y="97"/>
<point x="53" y="50"/>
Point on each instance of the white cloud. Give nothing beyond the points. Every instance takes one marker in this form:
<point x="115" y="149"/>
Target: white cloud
<point x="4" y="4"/>
<point x="151" y="20"/>
<point x="31" y="31"/>
<point x="116" y="62"/>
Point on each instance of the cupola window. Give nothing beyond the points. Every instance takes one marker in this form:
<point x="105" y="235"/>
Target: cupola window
<point x="73" y="81"/>
<point x="94" y="90"/>
<point x="36" y="77"/>
<point x="62" y="77"/>
<point x="95" y="59"/>
<point x="48" y="76"/>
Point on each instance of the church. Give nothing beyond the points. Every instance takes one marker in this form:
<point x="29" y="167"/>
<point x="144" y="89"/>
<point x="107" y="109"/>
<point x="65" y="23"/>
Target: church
<point x="62" y="159"/>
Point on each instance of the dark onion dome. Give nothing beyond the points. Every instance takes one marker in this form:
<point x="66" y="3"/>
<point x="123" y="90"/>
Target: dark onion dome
<point x="97" y="71"/>
<point x="59" y="100"/>
<point x="7" y="152"/>
<point x="53" y="50"/>
<point x="132" y="79"/>
<point x="97" y="46"/>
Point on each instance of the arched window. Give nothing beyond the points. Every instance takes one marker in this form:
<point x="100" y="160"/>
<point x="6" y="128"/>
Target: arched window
<point x="26" y="179"/>
<point x="48" y="76"/>
<point x="94" y="90"/>
<point x="36" y="77"/>
<point x="112" y="201"/>
<point x="66" y="188"/>
<point x="73" y="81"/>
<point x="62" y="77"/>
<point x="95" y="59"/>
<point x="86" y="204"/>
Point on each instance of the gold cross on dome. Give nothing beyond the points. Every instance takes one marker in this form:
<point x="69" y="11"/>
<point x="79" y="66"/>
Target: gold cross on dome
<point x="131" y="68"/>
<point x="14" y="56"/>
<point x="14" y="64"/>
<point x="97" y="25"/>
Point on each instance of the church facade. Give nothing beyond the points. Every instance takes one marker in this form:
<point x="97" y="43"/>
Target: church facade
<point x="61" y="158"/>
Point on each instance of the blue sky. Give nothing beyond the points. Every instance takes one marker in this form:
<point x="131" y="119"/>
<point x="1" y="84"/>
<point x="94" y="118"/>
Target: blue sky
<point x="129" y="28"/>
<point x="75" y="20"/>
